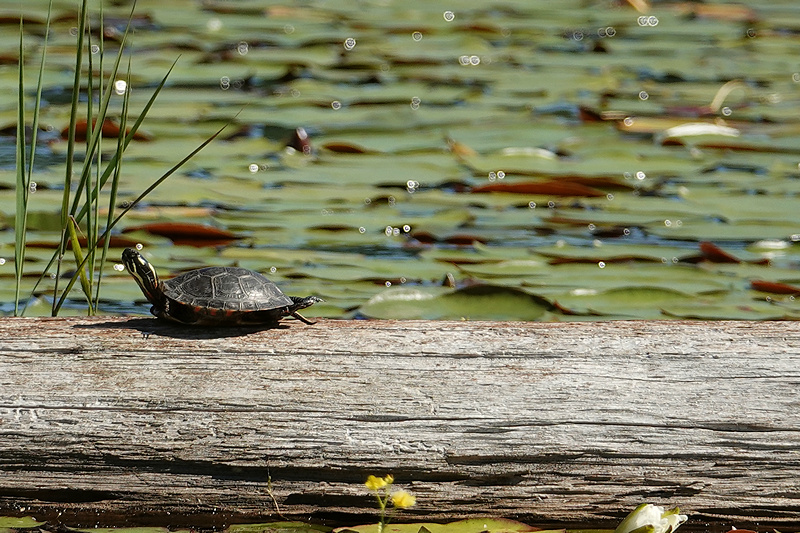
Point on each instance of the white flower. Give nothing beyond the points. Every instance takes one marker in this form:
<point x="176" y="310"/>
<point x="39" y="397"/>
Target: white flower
<point x="648" y="518"/>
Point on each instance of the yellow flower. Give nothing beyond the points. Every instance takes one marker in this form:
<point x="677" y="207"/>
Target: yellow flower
<point x="377" y="483"/>
<point x="402" y="499"/>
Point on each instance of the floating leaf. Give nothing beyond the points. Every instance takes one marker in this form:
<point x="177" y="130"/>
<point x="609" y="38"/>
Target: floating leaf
<point x="629" y="301"/>
<point x="725" y="12"/>
<point x="26" y="522"/>
<point x="473" y="525"/>
<point x="774" y="287"/>
<point x="547" y="188"/>
<point x="715" y="254"/>
<point x="146" y="529"/>
<point x="187" y="233"/>
<point x="479" y="302"/>
<point x="278" y="527"/>
<point x="344" y="148"/>
<point x="679" y="134"/>
<point x="110" y="129"/>
<point x="459" y="149"/>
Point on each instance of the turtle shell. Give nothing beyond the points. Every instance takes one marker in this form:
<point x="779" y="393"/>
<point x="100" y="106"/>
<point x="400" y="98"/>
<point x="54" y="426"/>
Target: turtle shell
<point x="224" y="294"/>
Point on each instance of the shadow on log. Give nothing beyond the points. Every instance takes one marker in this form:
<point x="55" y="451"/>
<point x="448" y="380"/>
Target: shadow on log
<point x="126" y="421"/>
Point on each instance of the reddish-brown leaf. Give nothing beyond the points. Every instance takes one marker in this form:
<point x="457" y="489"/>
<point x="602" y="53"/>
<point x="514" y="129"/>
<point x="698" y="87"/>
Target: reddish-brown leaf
<point x="242" y="132"/>
<point x="27" y="20"/>
<point x="613" y="183"/>
<point x="424" y="237"/>
<point x="773" y="287"/>
<point x="463" y="240"/>
<point x="188" y="233"/>
<point x="545" y="188"/>
<point x="715" y="254"/>
<point x="740" y="146"/>
<point x="459" y="239"/>
<point x="588" y="114"/>
<point x="110" y="130"/>
<point x="9" y="59"/>
<point x="594" y="261"/>
<point x="335" y="228"/>
<point x="344" y="148"/>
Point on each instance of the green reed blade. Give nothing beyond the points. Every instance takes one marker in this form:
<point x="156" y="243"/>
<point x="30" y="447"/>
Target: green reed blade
<point x="80" y="260"/>
<point x="129" y="136"/>
<point x="112" y="199"/>
<point x="73" y="120"/>
<point x="24" y="178"/>
<point x="107" y="173"/>
<point x="21" y="213"/>
<point x="93" y="142"/>
<point x="138" y="199"/>
<point x="94" y="125"/>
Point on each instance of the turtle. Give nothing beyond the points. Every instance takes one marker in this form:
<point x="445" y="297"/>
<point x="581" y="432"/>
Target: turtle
<point x="215" y="296"/>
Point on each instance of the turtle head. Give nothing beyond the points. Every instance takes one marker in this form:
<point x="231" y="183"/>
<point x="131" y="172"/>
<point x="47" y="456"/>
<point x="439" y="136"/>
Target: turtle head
<point x="144" y="273"/>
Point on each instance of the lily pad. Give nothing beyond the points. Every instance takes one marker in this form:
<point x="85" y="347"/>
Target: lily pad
<point x="25" y="522"/>
<point x="479" y="302"/>
<point x="278" y="527"/>
<point x="474" y="525"/>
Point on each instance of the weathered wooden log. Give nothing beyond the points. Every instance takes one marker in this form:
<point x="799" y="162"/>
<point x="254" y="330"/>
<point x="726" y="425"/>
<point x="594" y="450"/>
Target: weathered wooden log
<point x="127" y="420"/>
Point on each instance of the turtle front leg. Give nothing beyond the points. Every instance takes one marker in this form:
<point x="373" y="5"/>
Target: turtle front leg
<point x="176" y="315"/>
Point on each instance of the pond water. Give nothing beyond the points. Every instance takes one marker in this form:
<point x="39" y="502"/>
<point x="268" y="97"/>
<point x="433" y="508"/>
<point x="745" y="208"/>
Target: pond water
<point x="523" y="160"/>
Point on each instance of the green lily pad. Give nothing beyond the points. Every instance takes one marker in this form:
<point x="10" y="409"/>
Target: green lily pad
<point x="127" y="530"/>
<point x="278" y="527"/>
<point x="631" y="302"/>
<point x="480" y="302"/>
<point x="25" y="522"/>
<point x="473" y="525"/>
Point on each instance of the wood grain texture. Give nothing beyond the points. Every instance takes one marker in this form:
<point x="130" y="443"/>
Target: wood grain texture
<point x="126" y="420"/>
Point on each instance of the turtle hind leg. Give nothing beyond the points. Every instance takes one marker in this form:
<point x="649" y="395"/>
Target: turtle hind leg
<point x="302" y="303"/>
<point x="302" y="319"/>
